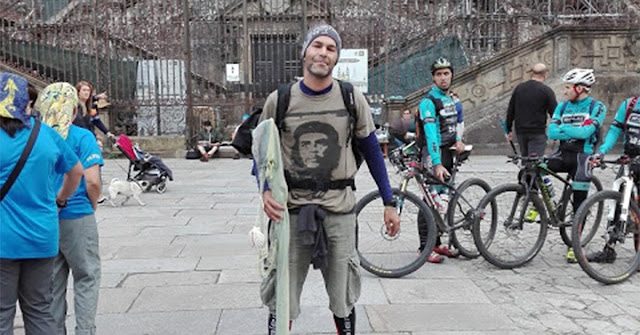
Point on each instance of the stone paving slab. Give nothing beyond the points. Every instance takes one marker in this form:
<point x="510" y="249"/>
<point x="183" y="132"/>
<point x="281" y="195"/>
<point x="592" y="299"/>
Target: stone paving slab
<point x="182" y="265"/>
<point x="171" y="279"/>
<point x="433" y="316"/>
<point x="149" y="265"/>
<point x="451" y="291"/>
<point x="166" y="323"/>
<point x="312" y="320"/>
<point x="197" y="297"/>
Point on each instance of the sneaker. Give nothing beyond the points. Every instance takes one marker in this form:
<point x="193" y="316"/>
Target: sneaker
<point x="444" y="251"/>
<point x="204" y="158"/>
<point x="532" y="214"/>
<point x="571" y="256"/>
<point x="607" y="255"/>
<point x="435" y="258"/>
<point x="102" y="199"/>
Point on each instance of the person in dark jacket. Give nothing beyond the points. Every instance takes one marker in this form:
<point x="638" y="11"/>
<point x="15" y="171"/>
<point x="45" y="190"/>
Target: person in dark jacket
<point x="529" y="106"/>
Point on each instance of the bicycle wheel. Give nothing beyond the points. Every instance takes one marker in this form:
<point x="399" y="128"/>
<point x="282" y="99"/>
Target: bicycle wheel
<point x="396" y="256"/>
<point x="622" y="239"/>
<point x="512" y="235"/>
<point x="568" y="213"/>
<point x="461" y="214"/>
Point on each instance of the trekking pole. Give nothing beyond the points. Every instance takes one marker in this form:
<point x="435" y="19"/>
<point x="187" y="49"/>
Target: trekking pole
<point x="506" y="132"/>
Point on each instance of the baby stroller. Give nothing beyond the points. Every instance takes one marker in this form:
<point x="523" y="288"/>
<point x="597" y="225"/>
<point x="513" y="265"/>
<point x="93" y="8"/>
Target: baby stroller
<point x="151" y="171"/>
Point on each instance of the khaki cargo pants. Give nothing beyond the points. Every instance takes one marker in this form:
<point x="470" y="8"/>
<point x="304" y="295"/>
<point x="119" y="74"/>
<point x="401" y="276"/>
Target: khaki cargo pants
<point x="341" y="276"/>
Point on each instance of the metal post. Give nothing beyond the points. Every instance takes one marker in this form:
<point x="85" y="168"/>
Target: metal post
<point x="303" y="31"/>
<point x="187" y="64"/>
<point x="156" y="86"/>
<point x="245" y="57"/>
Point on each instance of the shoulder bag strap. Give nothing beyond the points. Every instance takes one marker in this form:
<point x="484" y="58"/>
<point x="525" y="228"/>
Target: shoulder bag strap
<point x="23" y="159"/>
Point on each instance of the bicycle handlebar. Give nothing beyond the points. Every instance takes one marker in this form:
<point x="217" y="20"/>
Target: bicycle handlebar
<point x="622" y="160"/>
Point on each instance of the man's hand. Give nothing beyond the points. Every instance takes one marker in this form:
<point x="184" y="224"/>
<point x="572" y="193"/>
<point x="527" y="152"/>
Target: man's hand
<point x="509" y="136"/>
<point x="102" y="95"/>
<point x="271" y="207"/>
<point x="459" y="147"/>
<point x="441" y="172"/>
<point x="595" y="160"/>
<point x="391" y="220"/>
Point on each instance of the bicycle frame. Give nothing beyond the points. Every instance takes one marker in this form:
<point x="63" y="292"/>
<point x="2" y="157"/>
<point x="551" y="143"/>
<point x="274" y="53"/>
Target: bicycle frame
<point x="425" y="178"/>
<point x="626" y="185"/>
<point x="535" y="181"/>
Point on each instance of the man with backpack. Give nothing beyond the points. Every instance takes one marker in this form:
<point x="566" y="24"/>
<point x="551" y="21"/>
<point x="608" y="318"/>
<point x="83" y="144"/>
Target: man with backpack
<point x="324" y="118"/>
<point x="627" y="122"/>
<point x="576" y="124"/>
<point x="442" y="126"/>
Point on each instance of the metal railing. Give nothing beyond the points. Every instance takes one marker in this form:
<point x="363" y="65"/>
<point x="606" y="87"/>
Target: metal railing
<point x="163" y="63"/>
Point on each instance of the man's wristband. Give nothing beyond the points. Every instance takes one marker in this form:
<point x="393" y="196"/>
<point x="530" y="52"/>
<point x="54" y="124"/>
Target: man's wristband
<point x="391" y="203"/>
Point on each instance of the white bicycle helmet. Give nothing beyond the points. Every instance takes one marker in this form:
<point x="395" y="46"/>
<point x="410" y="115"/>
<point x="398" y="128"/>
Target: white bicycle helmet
<point x="441" y="63"/>
<point x="579" y="76"/>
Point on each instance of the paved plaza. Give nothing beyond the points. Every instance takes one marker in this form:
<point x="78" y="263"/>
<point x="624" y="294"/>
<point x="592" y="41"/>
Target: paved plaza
<point x="182" y="264"/>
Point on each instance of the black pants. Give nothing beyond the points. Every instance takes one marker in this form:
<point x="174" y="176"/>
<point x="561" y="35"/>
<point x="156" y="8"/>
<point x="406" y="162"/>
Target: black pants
<point x="532" y="143"/>
<point x="446" y="158"/>
<point x="575" y="163"/>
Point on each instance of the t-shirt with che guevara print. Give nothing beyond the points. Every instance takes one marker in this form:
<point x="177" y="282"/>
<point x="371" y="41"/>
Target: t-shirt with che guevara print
<point x="314" y="144"/>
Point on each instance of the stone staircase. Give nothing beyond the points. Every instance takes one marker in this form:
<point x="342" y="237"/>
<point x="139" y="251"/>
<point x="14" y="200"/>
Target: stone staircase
<point x="485" y="88"/>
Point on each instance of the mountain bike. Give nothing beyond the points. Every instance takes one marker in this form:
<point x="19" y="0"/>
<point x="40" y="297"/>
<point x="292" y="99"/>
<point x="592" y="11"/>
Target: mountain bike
<point x="397" y="256"/>
<point x="612" y="253"/>
<point x="526" y="211"/>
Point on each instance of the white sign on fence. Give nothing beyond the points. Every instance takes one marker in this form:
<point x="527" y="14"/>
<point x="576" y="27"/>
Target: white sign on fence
<point x="353" y="67"/>
<point x="233" y="72"/>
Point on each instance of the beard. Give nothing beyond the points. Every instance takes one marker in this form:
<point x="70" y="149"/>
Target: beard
<point x="319" y="71"/>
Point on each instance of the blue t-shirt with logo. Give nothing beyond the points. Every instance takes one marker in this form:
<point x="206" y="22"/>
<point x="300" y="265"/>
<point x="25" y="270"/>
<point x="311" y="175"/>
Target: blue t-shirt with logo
<point x="28" y="213"/>
<point x="84" y="145"/>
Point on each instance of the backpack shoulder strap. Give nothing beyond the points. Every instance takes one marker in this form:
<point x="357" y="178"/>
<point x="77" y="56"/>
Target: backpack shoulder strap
<point x="591" y="106"/>
<point x="437" y="103"/>
<point x="564" y="107"/>
<point x="630" y="107"/>
<point x="284" y="95"/>
<point x="349" y="99"/>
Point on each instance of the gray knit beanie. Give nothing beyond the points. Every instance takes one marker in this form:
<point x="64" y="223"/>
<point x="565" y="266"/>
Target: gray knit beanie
<point x="321" y="30"/>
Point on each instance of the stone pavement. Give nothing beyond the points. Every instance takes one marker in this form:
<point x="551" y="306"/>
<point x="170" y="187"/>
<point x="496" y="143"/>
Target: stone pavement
<point x="182" y="265"/>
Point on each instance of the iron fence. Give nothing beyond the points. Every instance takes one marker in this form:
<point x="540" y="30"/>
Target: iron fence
<point x="167" y="65"/>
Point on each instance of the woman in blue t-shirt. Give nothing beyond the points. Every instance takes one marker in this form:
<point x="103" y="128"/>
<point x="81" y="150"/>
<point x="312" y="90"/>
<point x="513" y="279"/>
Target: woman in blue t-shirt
<point x="28" y="211"/>
<point x="78" y="228"/>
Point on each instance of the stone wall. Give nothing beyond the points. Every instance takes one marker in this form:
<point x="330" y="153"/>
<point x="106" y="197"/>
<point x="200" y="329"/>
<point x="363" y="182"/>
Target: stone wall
<point x="485" y="89"/>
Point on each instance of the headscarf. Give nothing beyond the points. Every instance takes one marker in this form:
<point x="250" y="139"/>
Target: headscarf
<point x="57" y="103"/>
<point x="14" y="97"/>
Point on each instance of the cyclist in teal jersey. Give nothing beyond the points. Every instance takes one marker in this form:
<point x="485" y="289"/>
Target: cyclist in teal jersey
<point x="440" y="113"/>
<point x="575" y="123"/>
<point x="627" y="122"/>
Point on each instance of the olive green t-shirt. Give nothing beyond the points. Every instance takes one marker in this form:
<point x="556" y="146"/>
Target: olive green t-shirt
<point x="314" y="140"/>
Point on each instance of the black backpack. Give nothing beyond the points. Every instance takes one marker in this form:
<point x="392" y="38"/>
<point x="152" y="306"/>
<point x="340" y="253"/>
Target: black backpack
<point x="243" y="139"/>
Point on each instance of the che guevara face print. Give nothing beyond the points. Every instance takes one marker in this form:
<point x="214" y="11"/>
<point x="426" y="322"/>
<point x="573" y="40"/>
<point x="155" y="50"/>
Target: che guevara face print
<point x="316" y="150"/>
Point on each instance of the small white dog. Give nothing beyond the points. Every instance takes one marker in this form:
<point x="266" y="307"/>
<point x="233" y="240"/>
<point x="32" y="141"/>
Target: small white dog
<point x="127" y="188"/>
